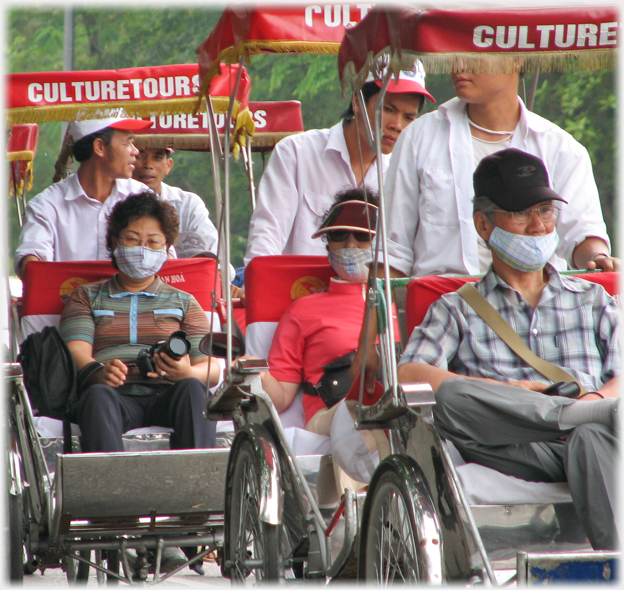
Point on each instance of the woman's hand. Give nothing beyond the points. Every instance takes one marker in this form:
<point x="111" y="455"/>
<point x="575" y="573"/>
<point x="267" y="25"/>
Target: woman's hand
<point x="113" y="374"/>
<point x="168" y="368"/>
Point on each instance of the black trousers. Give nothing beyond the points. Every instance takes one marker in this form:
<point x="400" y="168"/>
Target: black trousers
<point x="104" y="414"/>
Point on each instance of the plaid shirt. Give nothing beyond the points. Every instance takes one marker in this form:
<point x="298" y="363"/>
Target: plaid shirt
<point x="574" y="326"/>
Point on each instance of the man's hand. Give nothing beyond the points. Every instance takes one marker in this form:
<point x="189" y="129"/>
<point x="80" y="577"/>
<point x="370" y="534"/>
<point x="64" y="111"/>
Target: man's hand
<point x="170" y="369"/>
<point x="605" y="262"/>
<point x="237" y="292"/>
<point x="524" y="384"/>
<point x="113" y="374"/>
<point x="590" y="397"/>
<point x="24" y="262"/>
<point x="372" y="365"/>
<point x="592" y="253"/>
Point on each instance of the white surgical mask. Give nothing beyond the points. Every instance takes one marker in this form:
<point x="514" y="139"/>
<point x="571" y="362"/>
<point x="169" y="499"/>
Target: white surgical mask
<point x="525" y="253"/>
<point x="139" y="262"/>
<point x="351" y="264"/>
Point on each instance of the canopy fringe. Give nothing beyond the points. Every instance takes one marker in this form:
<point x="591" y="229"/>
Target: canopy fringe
<point x="494" y="63"/>
<point x="232" y="55"/>
<point x="261" y="141"/>
<point x="22" y="166"/>
<point x="146" y="108"/>
<point x="26" y="155"/>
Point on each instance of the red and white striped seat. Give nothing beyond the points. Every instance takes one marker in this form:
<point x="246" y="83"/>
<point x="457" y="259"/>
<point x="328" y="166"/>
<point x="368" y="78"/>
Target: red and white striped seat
<point x="271" y="284"/>
<point x="46" y="286"/>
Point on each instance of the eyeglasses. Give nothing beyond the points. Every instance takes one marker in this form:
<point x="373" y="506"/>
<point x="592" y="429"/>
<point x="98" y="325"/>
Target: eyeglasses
<point x="341" y="235"/>
<point x="547" y="213"/>
<point x="133" y="242"/>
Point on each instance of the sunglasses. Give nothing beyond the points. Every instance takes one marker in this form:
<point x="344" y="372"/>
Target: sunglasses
<point x="341" y="235"/>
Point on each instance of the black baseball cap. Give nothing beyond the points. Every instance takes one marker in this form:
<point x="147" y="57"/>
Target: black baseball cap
<point x="513" y="180"/>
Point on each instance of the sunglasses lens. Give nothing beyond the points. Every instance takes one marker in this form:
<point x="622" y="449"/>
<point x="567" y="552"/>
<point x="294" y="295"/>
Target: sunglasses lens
<point x="337" y="236"/>
<point x="342" y="235"/>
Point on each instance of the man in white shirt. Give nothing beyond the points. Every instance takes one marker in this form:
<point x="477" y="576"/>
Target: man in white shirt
<point x="68" y="220"/>
<point x="429" y="181"/>
<point x="306" y="170"/>
<point x="151" y="167"/>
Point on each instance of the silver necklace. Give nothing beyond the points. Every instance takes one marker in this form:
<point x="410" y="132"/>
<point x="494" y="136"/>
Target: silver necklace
<point x="471" y="122"/>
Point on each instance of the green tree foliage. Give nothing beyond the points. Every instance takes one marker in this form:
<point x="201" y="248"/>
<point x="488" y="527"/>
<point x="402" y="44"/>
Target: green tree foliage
<point x="583" y="103"/>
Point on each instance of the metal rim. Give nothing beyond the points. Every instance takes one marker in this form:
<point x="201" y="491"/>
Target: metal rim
<point x="392" y="549"/>
<point x="253" y="544"/>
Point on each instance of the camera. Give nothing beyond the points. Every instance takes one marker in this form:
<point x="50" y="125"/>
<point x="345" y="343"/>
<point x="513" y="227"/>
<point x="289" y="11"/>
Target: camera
<point x="176" y="346"/>
<point x="563" y="389"/>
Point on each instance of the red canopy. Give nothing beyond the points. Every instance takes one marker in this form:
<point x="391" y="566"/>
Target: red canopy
<point x="245" y="30"/>
<point x="558" y="38"/>
<point x="142" y="92"/>
<point x="272" y="120"/>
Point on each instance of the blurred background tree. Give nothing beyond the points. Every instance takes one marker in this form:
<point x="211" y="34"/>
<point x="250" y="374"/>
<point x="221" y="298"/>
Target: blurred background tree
<point x="583" y="103"/>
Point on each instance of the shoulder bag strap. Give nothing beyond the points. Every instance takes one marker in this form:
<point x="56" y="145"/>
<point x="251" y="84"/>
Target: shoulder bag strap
<point x="506" y="333"/>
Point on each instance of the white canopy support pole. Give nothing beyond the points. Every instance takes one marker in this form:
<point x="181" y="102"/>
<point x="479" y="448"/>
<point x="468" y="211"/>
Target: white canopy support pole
<point x="216" y="156"/>
<point x="225" y="240"/>
<point x="247" y="153"/>
<point x="391" y="369"/>
<point x="390" y="374"/>
<point x="367" y="124"/>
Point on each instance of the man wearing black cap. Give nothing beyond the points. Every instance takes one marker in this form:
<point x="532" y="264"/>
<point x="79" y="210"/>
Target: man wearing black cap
<point x="489" y="402"/>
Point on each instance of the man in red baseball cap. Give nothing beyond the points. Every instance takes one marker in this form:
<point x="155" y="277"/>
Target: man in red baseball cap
<point x="306" y="170"/>
<point x="67" y="221"/>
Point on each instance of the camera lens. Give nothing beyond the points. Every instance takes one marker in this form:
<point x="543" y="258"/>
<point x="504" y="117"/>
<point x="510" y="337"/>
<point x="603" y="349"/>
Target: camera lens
<point x="177" y="346"/>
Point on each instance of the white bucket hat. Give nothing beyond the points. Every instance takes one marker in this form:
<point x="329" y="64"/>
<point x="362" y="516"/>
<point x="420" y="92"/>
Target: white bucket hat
<point x="348" y="448"/>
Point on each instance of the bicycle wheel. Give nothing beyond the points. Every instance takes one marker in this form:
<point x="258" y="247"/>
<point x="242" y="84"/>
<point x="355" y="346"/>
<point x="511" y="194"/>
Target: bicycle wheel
<point x="16" y="538"/>
<point x="252" y="545"/>
<point x="394" y="545"/>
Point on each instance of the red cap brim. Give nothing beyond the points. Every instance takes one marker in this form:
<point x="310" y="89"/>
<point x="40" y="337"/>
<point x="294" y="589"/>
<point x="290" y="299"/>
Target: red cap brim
<point x="131" y="124"/>
<point x="406" y="87"/>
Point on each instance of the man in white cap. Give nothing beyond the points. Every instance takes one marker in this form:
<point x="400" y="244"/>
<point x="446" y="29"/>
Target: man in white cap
<point x="306" y="170"/>
<point x="67" y="221"/>
<point x="151" y="167"/>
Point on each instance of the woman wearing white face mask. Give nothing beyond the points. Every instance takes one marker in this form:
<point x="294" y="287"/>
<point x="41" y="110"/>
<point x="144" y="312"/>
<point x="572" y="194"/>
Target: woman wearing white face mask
<point x="107" y="324"/>
<point x="318" y="329"/>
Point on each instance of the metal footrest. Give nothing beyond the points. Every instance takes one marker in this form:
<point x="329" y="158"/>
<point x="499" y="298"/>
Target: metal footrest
<point x="92" y="486"/>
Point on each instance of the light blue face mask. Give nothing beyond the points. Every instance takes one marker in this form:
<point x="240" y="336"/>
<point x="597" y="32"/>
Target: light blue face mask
<point x="139" y="262"/>
<point x="525" y="253"/>
<point x="351" y="264"/>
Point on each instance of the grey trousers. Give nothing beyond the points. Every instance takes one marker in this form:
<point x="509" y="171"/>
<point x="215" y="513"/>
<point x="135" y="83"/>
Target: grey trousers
<point x="517" y="432"/>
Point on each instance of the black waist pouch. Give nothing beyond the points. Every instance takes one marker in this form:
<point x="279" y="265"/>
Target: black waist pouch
<point x="335" y="382"/>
